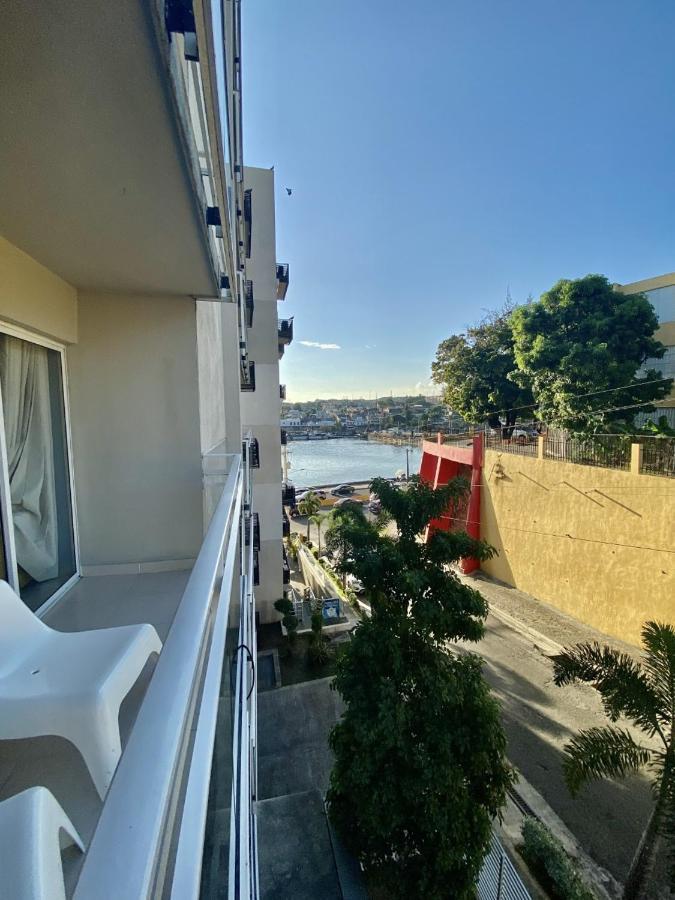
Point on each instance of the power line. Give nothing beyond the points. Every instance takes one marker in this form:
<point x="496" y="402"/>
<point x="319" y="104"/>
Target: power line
<point x="566" y="535"/>
<point x="622" y="387"/>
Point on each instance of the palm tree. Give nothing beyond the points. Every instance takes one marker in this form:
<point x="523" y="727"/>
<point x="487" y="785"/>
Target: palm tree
<point x="644" y="694"/>
<point x="309" y="506"/>
<point x="318" y="520"/>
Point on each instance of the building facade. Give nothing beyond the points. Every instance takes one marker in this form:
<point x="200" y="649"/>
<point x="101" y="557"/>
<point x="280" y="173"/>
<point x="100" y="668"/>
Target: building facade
<point x="660" y="291"/>
<point x="139" y="425"/>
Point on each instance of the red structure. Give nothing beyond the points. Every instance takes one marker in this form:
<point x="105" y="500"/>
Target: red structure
<point x="443" y="462"/>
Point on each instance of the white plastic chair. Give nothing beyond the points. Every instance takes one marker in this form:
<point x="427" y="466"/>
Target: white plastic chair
<point x="33" y="831"/>
<point x="68" y="684"/>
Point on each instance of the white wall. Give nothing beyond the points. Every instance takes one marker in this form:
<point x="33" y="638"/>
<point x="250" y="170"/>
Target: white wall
<point x="134" y="397"/>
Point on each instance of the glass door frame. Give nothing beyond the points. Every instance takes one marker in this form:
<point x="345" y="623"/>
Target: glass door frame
<point x="5" y="495"/>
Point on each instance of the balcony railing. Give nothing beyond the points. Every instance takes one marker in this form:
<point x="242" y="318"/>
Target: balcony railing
<point x="282" y="280"/>
<point x="285" y="525"/>
<point x="284" y="437"/>
<point x="288" y="494"/>
<point x="247" y="375"/>
<point x="251" y="453"/>
<point x="286" y="569"/>
<point x="285" y="331"/>
<point x="249" y="303"/>
<point x="253" y="532"/>
<point x="150" y="835"/>
<point x="282" y="391"/>
<point x="248" y="221"/>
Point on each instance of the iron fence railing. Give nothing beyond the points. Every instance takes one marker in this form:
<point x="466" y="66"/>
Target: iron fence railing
<point x="609" y="451"/>
<point x="526" y="446"/>
<point x="658" y="456"/>
<point x="498" y="878"/>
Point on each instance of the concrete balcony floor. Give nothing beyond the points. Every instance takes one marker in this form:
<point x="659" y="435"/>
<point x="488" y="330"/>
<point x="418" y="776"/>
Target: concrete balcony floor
<point x="93" y="602"/>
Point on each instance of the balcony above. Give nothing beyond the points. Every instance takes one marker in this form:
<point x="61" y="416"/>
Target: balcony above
<point x="282" y="391"/>
<point x="288" y="494"/>
<point x="247" y="375"/>
<point x="285" y="331"/>
<point x="282" y="280"/>
<point x="94" y="174"/>
<point x="249" y="303"/>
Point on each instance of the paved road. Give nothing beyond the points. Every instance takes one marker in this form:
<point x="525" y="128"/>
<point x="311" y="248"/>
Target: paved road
<point x="539" y="718"/>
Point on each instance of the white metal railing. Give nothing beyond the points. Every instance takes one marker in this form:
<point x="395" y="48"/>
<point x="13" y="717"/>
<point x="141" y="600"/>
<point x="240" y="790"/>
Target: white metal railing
<point x="498" y="878"/>
<point x="243" y="858"/>
<point x="149" y="838"/>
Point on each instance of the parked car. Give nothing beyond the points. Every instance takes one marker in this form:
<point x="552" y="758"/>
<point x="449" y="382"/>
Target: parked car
<point x="343" y="490"/>
<point x="524" y="435"/>
<point x="320" y="494"/>
<point x="354" y="584"/>
<point x="347" y="502"/>
<point x="374" y="504"/>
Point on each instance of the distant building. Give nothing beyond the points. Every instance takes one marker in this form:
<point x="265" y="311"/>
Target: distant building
<point x="660" y="292"/>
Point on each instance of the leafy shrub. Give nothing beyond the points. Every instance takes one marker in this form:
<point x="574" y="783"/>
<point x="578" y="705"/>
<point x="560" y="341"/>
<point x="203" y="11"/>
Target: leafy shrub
<point x="289" y="620"/>
<point x="548" y="861"/>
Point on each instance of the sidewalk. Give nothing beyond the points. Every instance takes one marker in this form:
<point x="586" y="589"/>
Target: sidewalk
<point x="545" y="624"/>
<point x="606" y="818"/>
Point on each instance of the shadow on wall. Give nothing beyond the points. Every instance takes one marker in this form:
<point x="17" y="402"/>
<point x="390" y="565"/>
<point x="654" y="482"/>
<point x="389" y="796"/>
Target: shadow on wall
<point x="597" y="543"/>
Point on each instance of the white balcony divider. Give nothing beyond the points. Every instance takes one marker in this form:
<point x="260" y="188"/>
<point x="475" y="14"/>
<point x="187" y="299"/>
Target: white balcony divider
<point x="243" y="860"/>
<point x="142" y="844"/>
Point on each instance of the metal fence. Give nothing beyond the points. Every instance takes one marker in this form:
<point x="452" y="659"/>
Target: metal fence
<point x="658" y="456"/>
<point x="609" y="451"/>
<point x="522" y="446"/>
<point x="498" y="878"/>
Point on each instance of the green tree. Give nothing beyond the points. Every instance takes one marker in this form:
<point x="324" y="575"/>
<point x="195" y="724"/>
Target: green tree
<point x="583" y="337"/>
<point x="309" y="506"/>
<point x="476" y="371"/>
<point x="290" y="621"/>
<point x="419" y="766"/>
<point x="644" y="694"/>
<point x="319" y="521"/>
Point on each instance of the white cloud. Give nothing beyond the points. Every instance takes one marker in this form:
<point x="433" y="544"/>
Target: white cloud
<point x="320" y="346"/>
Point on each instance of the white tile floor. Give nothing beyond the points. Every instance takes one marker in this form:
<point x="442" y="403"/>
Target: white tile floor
<point x="94" y="602"/>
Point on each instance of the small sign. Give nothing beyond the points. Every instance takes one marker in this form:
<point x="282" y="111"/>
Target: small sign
<point x="331" y="609"/>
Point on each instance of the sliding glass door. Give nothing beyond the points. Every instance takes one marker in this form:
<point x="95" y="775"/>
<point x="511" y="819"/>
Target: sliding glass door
<point x="38" y="533"/>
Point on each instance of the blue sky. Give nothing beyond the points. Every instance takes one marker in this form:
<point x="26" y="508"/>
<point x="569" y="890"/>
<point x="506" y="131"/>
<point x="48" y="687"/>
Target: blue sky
<point x="442" y="152"/>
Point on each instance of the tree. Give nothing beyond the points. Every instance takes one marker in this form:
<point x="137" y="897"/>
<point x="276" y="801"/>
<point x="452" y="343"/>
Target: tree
<point x="578" y="343"/>
<point x="643" y="693"/>
<point x="319" y="521"/>
<point x="419" y="767"/>
<point x="309" y="506"/>
<point x="476" y="372"/>
<point x="290" y="621"/>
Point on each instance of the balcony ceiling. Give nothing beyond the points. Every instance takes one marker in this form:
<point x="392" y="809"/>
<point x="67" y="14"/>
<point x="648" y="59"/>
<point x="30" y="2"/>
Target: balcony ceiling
<point x="94" y="182"/>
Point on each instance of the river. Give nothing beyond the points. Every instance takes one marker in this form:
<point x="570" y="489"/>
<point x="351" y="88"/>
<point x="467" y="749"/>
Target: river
<point x="346" y="460"/>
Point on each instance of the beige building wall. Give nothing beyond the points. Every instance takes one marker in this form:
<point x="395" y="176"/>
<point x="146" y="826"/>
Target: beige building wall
<point x="260" y="409"/>
<point x="660" y="291"/>
<point x="34" y="297"/>
<point x="134" y="399"/>
<point x="596" y="543"/>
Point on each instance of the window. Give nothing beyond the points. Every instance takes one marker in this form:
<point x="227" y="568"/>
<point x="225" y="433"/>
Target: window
<point x="38" y="536"/>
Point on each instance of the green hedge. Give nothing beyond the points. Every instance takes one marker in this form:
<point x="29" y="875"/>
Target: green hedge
<point x="550" y="864"/>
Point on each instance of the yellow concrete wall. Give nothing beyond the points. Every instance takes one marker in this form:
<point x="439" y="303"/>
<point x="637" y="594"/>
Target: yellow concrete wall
<point x="33" y="297"/>
<point x="597" y="543"/>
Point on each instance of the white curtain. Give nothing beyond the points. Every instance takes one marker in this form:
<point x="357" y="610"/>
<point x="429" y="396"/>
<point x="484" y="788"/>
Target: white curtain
<point x="24" y="376"/>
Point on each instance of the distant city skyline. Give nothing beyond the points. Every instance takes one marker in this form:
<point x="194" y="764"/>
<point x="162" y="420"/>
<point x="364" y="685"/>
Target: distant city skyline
<point x="442" y="156"/>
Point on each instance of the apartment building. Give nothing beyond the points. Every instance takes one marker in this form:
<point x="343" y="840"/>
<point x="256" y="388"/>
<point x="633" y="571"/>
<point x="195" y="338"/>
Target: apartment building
<point x="266" y="283"/>
<point x="140" y="495"/>
<point x="660" y="292"/>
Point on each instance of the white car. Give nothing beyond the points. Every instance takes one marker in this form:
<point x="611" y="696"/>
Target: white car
<point x="354" y="584"/>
